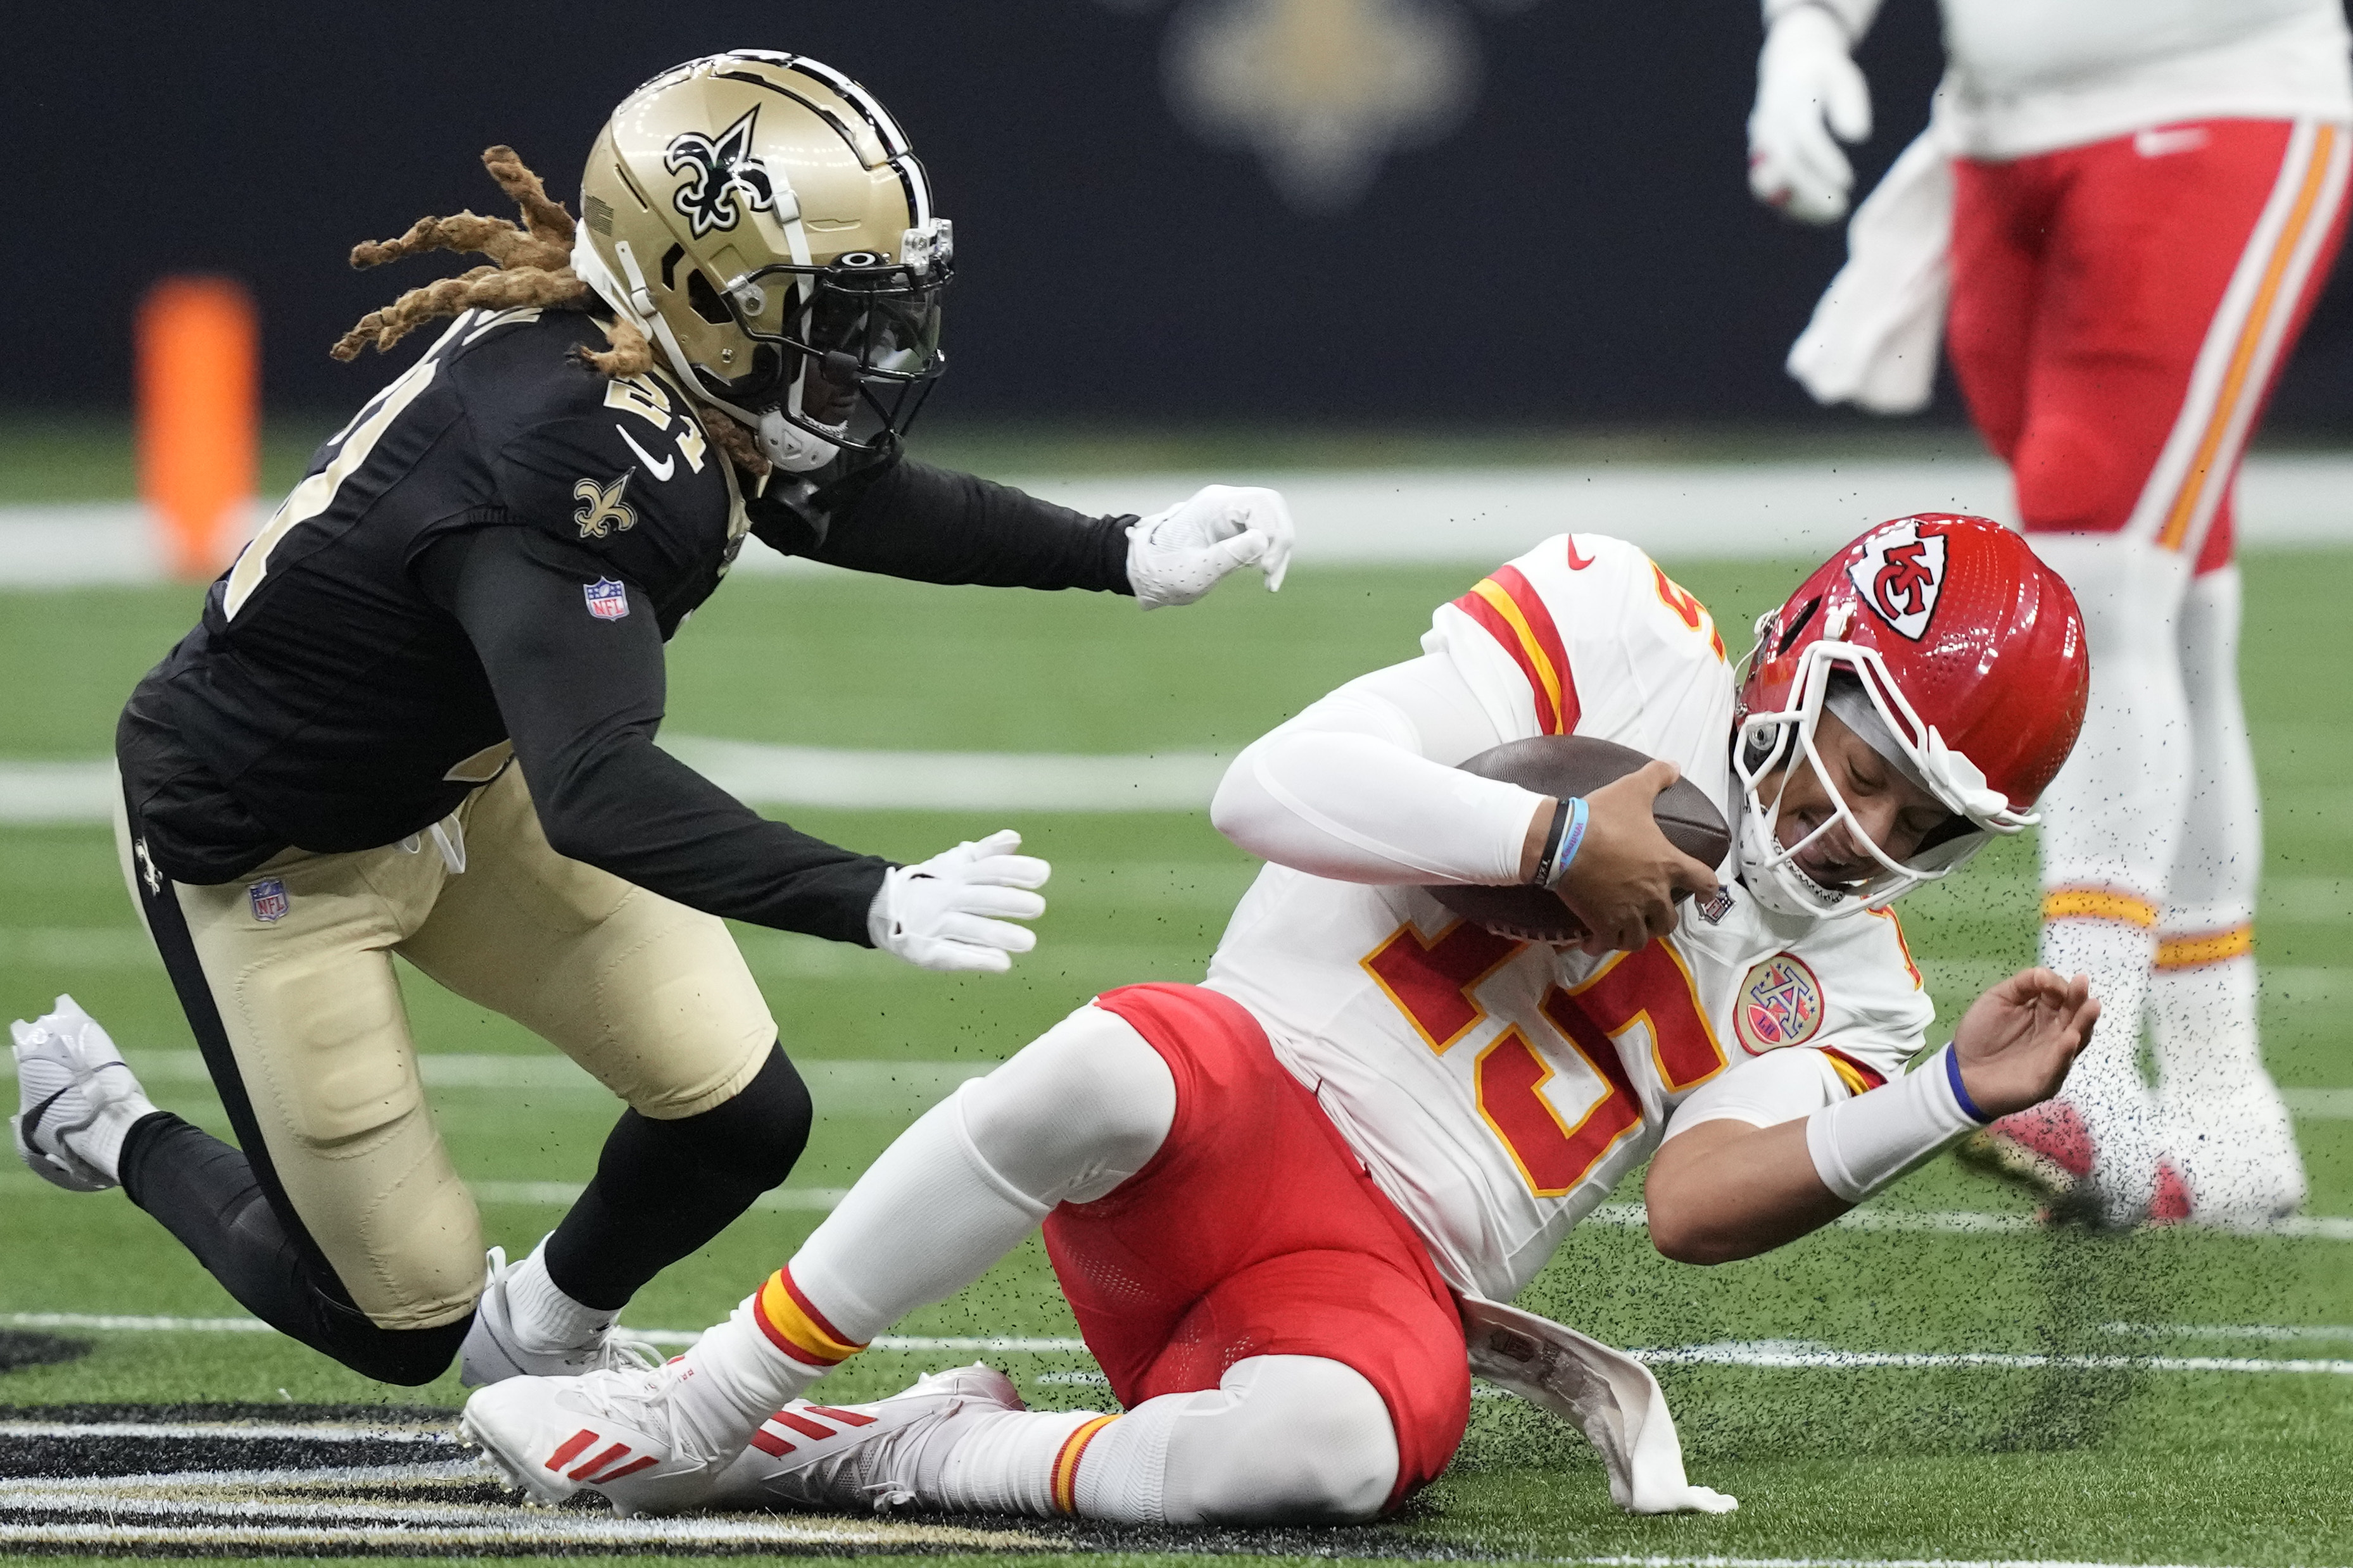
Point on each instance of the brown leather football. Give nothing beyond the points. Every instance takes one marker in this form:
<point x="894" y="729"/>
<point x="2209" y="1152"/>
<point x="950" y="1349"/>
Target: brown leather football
<point x="1564" y="765"/>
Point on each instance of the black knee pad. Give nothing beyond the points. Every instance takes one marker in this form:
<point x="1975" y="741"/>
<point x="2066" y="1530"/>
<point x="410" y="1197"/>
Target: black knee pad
<point x="753" y="1139"/>
<point x="408" y="1357"/>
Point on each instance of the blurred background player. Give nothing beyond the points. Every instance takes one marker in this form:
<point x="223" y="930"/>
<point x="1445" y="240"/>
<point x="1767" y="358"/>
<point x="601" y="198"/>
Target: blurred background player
<point x="2131" y="205"/>
<point x="418" y="716"/>
<point x="1263" y="1195"/>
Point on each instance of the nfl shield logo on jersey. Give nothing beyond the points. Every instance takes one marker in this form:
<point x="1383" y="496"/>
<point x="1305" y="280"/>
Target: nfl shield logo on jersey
<point x="268" y="900"/>
<point x="607" y="600"/>
<point x="1780" y="1004"/>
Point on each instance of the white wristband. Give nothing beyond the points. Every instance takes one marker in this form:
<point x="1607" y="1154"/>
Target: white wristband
<point x="1860" y="1144"/>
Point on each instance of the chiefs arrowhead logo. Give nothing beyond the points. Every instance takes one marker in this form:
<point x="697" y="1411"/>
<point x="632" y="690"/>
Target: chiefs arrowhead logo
<point x="1899" y="575"/>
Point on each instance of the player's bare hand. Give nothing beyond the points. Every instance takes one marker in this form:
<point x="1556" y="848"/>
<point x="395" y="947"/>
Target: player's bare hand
<point x="1622" y="884"/>
<point x="2017" y="1040"/>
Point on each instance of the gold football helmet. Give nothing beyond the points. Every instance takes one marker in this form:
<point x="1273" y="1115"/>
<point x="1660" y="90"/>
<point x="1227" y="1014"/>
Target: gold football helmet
<point x="762" y="218"/>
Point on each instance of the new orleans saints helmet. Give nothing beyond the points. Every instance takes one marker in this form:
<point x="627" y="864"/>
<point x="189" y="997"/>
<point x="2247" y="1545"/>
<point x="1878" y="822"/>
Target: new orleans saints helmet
<point x="762" y="218"/>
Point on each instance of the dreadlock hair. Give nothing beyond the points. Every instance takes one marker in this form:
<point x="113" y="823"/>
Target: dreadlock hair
<point x="531" y="264"/>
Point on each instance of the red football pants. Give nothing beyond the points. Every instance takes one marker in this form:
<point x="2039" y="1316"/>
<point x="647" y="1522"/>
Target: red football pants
<point x="2121" y="311"/>
<point x="1256" y="1231"/>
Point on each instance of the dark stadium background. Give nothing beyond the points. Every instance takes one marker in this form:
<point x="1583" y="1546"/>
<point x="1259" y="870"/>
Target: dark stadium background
<point x="1581" y="249"/>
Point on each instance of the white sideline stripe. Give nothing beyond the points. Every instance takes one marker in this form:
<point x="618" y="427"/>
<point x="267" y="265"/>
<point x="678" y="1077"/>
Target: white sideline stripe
<point x="1483" y="515"/>
<point x="1975" y="1222"/>
<point x="44" y="793"/>
<point x="1776" y="1355"/>
<point x="2275" y="1331"/>
<point x="839" y="1085"/>
<point x="1627" y="1216"/>
<point x="337" y="1433"/>
<point x="113" y="1322"/>
<point x="1782" y="1355"/>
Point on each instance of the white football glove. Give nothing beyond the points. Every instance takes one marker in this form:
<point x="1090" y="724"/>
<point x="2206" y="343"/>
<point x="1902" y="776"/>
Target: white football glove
<point x="1176" y="557"/>
<point x="937" y="915"/>
<point x="1810" y="96"/>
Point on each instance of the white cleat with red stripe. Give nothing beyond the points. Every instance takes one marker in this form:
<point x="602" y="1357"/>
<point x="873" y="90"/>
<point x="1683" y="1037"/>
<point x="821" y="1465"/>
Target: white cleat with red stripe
<point x="617" y="1433"/>
<point x="862" y="1457"/>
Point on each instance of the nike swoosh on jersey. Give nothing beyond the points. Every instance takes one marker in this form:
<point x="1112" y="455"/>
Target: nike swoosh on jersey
<point x="2159" y="144"/>
<point x="660" y="470"/>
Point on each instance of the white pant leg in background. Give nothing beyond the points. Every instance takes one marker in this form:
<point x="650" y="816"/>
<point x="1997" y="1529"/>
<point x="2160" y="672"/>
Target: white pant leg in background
<point x="2229" y="1130"/>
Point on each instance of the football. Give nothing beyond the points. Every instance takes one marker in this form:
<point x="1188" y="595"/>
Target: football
<point x="1564" y="765"/>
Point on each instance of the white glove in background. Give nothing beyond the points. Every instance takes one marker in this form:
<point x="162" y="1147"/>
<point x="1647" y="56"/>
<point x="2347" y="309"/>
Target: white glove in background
<point x="944" y="913"/>
<point x="1810" y="96"/>
<point x="1176" y="557"/>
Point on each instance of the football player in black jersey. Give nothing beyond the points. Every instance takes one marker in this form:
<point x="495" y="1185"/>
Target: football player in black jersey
<point x="418" y="718"/>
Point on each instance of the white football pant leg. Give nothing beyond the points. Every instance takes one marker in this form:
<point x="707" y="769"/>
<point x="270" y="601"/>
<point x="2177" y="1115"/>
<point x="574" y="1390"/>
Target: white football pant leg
<point x="1283" y="1439"/>
<point x="2112" y="826"/>
<point x="2229" y="1130"/>
<point x="1075" y="1113"/>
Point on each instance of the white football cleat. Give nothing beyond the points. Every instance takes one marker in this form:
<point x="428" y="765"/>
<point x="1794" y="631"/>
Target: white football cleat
<point x="493" y="1352"/>
<point x="76" y="1097"/>
<point x="616" y="1434"/>
<point x="2238" y="1157"/>
<point x="861" y="1457"/>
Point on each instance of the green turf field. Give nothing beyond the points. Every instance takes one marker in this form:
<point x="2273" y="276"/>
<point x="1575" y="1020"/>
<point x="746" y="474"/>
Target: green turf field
<point x="2121" y="1461"/>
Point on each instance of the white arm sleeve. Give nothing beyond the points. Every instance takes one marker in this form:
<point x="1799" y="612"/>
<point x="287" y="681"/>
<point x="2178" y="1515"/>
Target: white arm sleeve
<point x="1778" y="1087"/>
<point x="1362" y="786"/>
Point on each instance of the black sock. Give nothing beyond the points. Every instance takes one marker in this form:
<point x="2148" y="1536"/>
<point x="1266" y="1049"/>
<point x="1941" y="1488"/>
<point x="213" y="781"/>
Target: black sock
<point x="664" y="1188"/>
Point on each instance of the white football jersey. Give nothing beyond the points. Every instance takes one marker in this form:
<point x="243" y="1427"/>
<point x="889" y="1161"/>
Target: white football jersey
<point x="1497" y="1091"/>
<point x="2027" y="76"/>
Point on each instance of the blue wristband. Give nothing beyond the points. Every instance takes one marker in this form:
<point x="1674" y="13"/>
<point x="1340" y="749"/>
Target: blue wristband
<point x="1953" y="1075"/>
<point x="1561" y="845"/>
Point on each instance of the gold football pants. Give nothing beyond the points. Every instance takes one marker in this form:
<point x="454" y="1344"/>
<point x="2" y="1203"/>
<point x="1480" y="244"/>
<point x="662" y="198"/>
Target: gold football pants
<point x="651" y="997"/>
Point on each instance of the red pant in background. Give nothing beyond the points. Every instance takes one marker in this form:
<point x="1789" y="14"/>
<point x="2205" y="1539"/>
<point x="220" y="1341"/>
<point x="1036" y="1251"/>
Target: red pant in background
<point x="2121" y="311"/>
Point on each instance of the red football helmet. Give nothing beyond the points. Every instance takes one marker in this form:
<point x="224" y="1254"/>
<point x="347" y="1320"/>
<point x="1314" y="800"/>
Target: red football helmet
<point x="1969" y="650"/>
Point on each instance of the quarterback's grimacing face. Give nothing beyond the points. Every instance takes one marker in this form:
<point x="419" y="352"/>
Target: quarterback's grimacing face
<point x="1898" y="814"/>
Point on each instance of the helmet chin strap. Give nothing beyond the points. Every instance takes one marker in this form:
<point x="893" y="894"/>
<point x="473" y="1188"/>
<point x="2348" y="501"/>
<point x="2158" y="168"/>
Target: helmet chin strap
<point x="788" y="446"/>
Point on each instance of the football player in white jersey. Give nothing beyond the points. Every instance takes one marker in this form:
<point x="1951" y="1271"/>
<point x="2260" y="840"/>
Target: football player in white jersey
<point x="1284" y="1204"/>
<point x="2118" y="220"/>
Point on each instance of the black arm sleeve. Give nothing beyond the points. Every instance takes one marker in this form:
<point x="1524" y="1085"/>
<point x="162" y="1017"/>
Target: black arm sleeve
<point x="906" y="519"/>
<point x="582" y="697"/>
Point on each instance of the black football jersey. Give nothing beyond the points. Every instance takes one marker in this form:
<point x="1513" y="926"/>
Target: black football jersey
<point x="489" y="558"/>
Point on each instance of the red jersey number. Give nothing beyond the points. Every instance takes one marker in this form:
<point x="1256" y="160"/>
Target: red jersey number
<point x="1432" y="982"/>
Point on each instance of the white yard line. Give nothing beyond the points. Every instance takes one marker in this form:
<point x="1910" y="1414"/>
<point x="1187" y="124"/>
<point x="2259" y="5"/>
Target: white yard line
<point x="1477" y="516"/>
<point x="1780" y="1356"/>
<point x="51" y="794"/>
<point x="323" y="1432"/>
<point x="1776" y="1355"/>
<point x="2277" y="1333"/>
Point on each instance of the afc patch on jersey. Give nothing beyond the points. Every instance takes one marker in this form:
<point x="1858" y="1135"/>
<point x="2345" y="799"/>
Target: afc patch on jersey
<point x="607" y="600"/>
<point x="268" y="900"/>
<point x="1779" y="1003"/>
<point x="1899" y="575"/>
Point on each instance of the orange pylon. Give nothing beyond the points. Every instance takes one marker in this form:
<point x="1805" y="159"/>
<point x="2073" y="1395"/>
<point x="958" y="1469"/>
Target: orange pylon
<point x="199" y="419"/>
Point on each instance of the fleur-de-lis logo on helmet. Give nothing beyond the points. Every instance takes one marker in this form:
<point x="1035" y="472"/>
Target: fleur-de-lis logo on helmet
<point x="723" y="176"/>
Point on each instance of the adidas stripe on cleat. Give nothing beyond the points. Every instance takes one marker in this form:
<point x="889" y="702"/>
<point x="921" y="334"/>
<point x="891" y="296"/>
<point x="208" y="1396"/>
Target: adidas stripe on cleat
<point x="615" y="1434"/>
<point x="868" y="1457"/>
